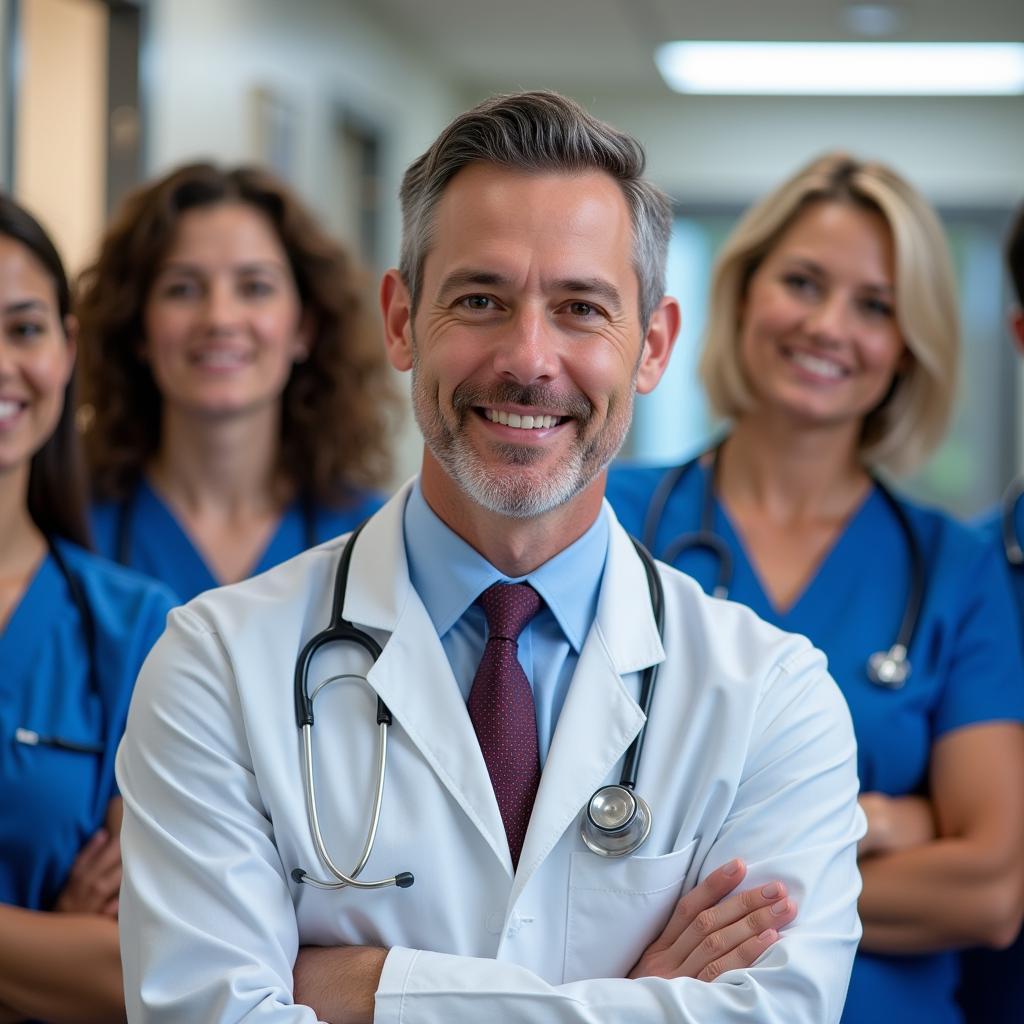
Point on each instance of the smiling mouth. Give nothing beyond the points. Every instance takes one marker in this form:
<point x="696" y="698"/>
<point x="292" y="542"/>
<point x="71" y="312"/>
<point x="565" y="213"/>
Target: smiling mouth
<point x="817" y="365"/>
<point x="9" y="408"/>
<point x="520" y="422"/>
<point x="219" y="359"/>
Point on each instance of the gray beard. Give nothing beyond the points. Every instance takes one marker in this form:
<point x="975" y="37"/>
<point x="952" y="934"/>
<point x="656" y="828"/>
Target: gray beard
<point x="516" y="496"/>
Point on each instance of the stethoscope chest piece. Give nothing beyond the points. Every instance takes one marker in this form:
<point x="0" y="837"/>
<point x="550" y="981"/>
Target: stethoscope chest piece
<point x="617" y="822"/>
<point x="890" y="668"/>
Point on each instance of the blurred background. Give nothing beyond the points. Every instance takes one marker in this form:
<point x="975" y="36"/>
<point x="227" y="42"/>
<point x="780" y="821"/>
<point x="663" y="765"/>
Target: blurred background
<point x="338" y="96"/>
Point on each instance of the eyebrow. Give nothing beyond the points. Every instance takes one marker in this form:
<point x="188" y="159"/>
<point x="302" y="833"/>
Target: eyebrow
<point x="817" y="268"/>
<point x="26" y="306"/>
<point x="595" y="286"/>
<point x="256" y="266"/>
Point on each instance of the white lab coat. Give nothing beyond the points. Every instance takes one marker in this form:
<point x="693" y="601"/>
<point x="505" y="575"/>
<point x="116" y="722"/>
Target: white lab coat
<point x="749" y="753"/>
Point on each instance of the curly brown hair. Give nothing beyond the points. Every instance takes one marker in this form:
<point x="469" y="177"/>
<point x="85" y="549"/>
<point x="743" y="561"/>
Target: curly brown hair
<point x="337" y="405"/>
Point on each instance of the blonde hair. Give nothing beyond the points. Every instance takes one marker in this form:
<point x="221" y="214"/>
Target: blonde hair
<point x="910" y="422"/>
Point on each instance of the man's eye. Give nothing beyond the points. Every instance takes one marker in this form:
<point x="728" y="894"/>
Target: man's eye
<point x="582" y="309"/>
<point x="477" y="302"/>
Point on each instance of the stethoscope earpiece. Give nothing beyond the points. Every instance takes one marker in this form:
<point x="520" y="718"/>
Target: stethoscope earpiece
<point x="617" y="822"/>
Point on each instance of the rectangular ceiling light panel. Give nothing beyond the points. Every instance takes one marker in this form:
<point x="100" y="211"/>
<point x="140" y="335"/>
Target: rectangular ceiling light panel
<point x="843" y="69"/>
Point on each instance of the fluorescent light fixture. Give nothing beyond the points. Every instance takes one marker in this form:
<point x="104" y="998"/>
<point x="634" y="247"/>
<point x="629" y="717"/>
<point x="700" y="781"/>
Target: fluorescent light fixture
<point x="843" y="69"/>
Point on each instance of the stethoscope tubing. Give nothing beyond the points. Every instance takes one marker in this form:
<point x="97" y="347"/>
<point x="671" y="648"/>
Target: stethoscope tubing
<point x="706" y="537"/>
<point x="1011" y="542"/>
<point x="340" y="629"/>
<point x="32" y="738"/>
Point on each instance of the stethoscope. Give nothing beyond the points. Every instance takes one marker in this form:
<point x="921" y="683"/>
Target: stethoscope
<point x="616" y="822"/>
<point x="890" y="669"/>
<point x="126" y="527"/>
<point x="1011" y="542"/>
<point x="32" y="738"/>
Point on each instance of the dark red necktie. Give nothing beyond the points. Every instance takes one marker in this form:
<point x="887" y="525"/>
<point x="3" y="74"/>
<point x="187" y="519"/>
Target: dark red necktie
<point x="501" y="708"/>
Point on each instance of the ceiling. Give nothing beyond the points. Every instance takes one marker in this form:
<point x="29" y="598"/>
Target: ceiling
<point x="606" y="46"/>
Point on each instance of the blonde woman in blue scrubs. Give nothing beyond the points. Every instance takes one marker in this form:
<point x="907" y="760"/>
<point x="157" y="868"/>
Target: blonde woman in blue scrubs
<point x="74" y="630"/>
<point x="832" y="348"/>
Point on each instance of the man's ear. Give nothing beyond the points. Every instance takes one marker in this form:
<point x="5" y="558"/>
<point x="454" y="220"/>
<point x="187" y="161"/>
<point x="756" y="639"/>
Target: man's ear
<point x="1017" y="327"/>
<point x="396" y="307"/>
<point x="658" y="344"/>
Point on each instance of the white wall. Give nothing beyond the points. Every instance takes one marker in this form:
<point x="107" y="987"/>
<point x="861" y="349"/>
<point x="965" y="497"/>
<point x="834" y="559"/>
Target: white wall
<point x="206" y="60"/>
<point x="959" y="152"/>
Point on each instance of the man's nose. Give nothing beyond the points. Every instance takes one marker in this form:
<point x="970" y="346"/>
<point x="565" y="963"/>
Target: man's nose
<point x="527" y="350"/>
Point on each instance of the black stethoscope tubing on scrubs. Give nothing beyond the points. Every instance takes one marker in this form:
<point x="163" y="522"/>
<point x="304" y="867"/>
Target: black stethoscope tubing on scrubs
<point x="126" y="528"/>
<point x="31" y="737"/>
<point x="1011" y="542"/>
<point x="889" y="669"/>
<point x="617" y="820"/>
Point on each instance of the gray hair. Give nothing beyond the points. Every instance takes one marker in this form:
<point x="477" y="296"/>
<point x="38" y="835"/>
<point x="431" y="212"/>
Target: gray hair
<point x="537" y="131"/>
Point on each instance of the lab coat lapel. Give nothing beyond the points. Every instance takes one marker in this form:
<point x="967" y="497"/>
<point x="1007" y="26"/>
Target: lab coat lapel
<point x="600" y="716"/>
<point x="413" y="676"/>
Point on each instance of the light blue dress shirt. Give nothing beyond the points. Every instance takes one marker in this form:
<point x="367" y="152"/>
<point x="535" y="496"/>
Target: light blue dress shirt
<point x="449" y="576"/>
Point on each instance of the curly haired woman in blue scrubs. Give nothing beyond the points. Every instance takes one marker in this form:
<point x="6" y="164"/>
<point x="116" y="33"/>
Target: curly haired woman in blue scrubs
<point x="240" y="405"/>
<point x="74" y="630"/>
<point x="832" y="348"/>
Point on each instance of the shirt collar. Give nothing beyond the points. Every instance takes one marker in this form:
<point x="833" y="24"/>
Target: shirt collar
<point x="449" y="575"/>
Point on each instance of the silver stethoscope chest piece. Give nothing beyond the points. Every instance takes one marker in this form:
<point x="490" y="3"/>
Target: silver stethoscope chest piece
<point x="616" y="823"/>
<point x="890" y="668"/>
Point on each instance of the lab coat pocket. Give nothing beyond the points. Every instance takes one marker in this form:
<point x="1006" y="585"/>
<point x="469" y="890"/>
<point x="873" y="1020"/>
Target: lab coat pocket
<point x="617" y="907"/>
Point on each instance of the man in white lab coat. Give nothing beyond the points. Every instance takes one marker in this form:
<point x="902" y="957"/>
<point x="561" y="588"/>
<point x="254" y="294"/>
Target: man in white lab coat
<point x="530" y="308"/>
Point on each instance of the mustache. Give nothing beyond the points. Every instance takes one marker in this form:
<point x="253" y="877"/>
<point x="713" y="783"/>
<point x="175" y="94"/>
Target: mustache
<point x="573" y="404"/>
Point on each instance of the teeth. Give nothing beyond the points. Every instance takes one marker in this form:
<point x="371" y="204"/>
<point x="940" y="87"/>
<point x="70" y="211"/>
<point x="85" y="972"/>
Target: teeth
<point x="218" y="359"/>
<point x="8" y="409"/>
<point x="822" y="367"/>
<point x="513" y="419"/>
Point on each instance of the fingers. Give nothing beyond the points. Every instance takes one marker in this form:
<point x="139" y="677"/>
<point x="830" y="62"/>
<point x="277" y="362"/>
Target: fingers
<point x="95" y="876"/>
<point x="739" y="944"/>
<point x="742" y="956"/>
<point x="732" y="934"/>
<point x="700" y="899"/>
<point x="707" y="928"/>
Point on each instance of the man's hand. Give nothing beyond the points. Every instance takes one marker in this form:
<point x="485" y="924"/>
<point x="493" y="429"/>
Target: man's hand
<point x="95" y="878"/>
<point x="711" y="932"/>
<point x="339" y="982"/>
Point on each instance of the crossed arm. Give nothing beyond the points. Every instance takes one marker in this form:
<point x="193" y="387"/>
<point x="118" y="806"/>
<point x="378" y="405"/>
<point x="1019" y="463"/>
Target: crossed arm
<point x="964" y="843"/>
<point x="64" y="966"/>
<point x="710" y="932"/>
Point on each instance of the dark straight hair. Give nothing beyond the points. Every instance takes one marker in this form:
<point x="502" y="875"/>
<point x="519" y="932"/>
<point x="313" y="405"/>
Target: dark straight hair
<point x="56" y="479"/>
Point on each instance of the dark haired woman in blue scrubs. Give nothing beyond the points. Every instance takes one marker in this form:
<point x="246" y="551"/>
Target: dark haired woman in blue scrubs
<point x="74" y="630"/>
<point x="240" y="403"/>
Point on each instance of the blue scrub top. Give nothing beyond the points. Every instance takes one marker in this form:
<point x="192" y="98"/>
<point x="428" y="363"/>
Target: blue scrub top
<point x="964" y="669"/>
<point x="56" y="799"/>
<point x="992" y="989"/>
<point x="162" y="549"/>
